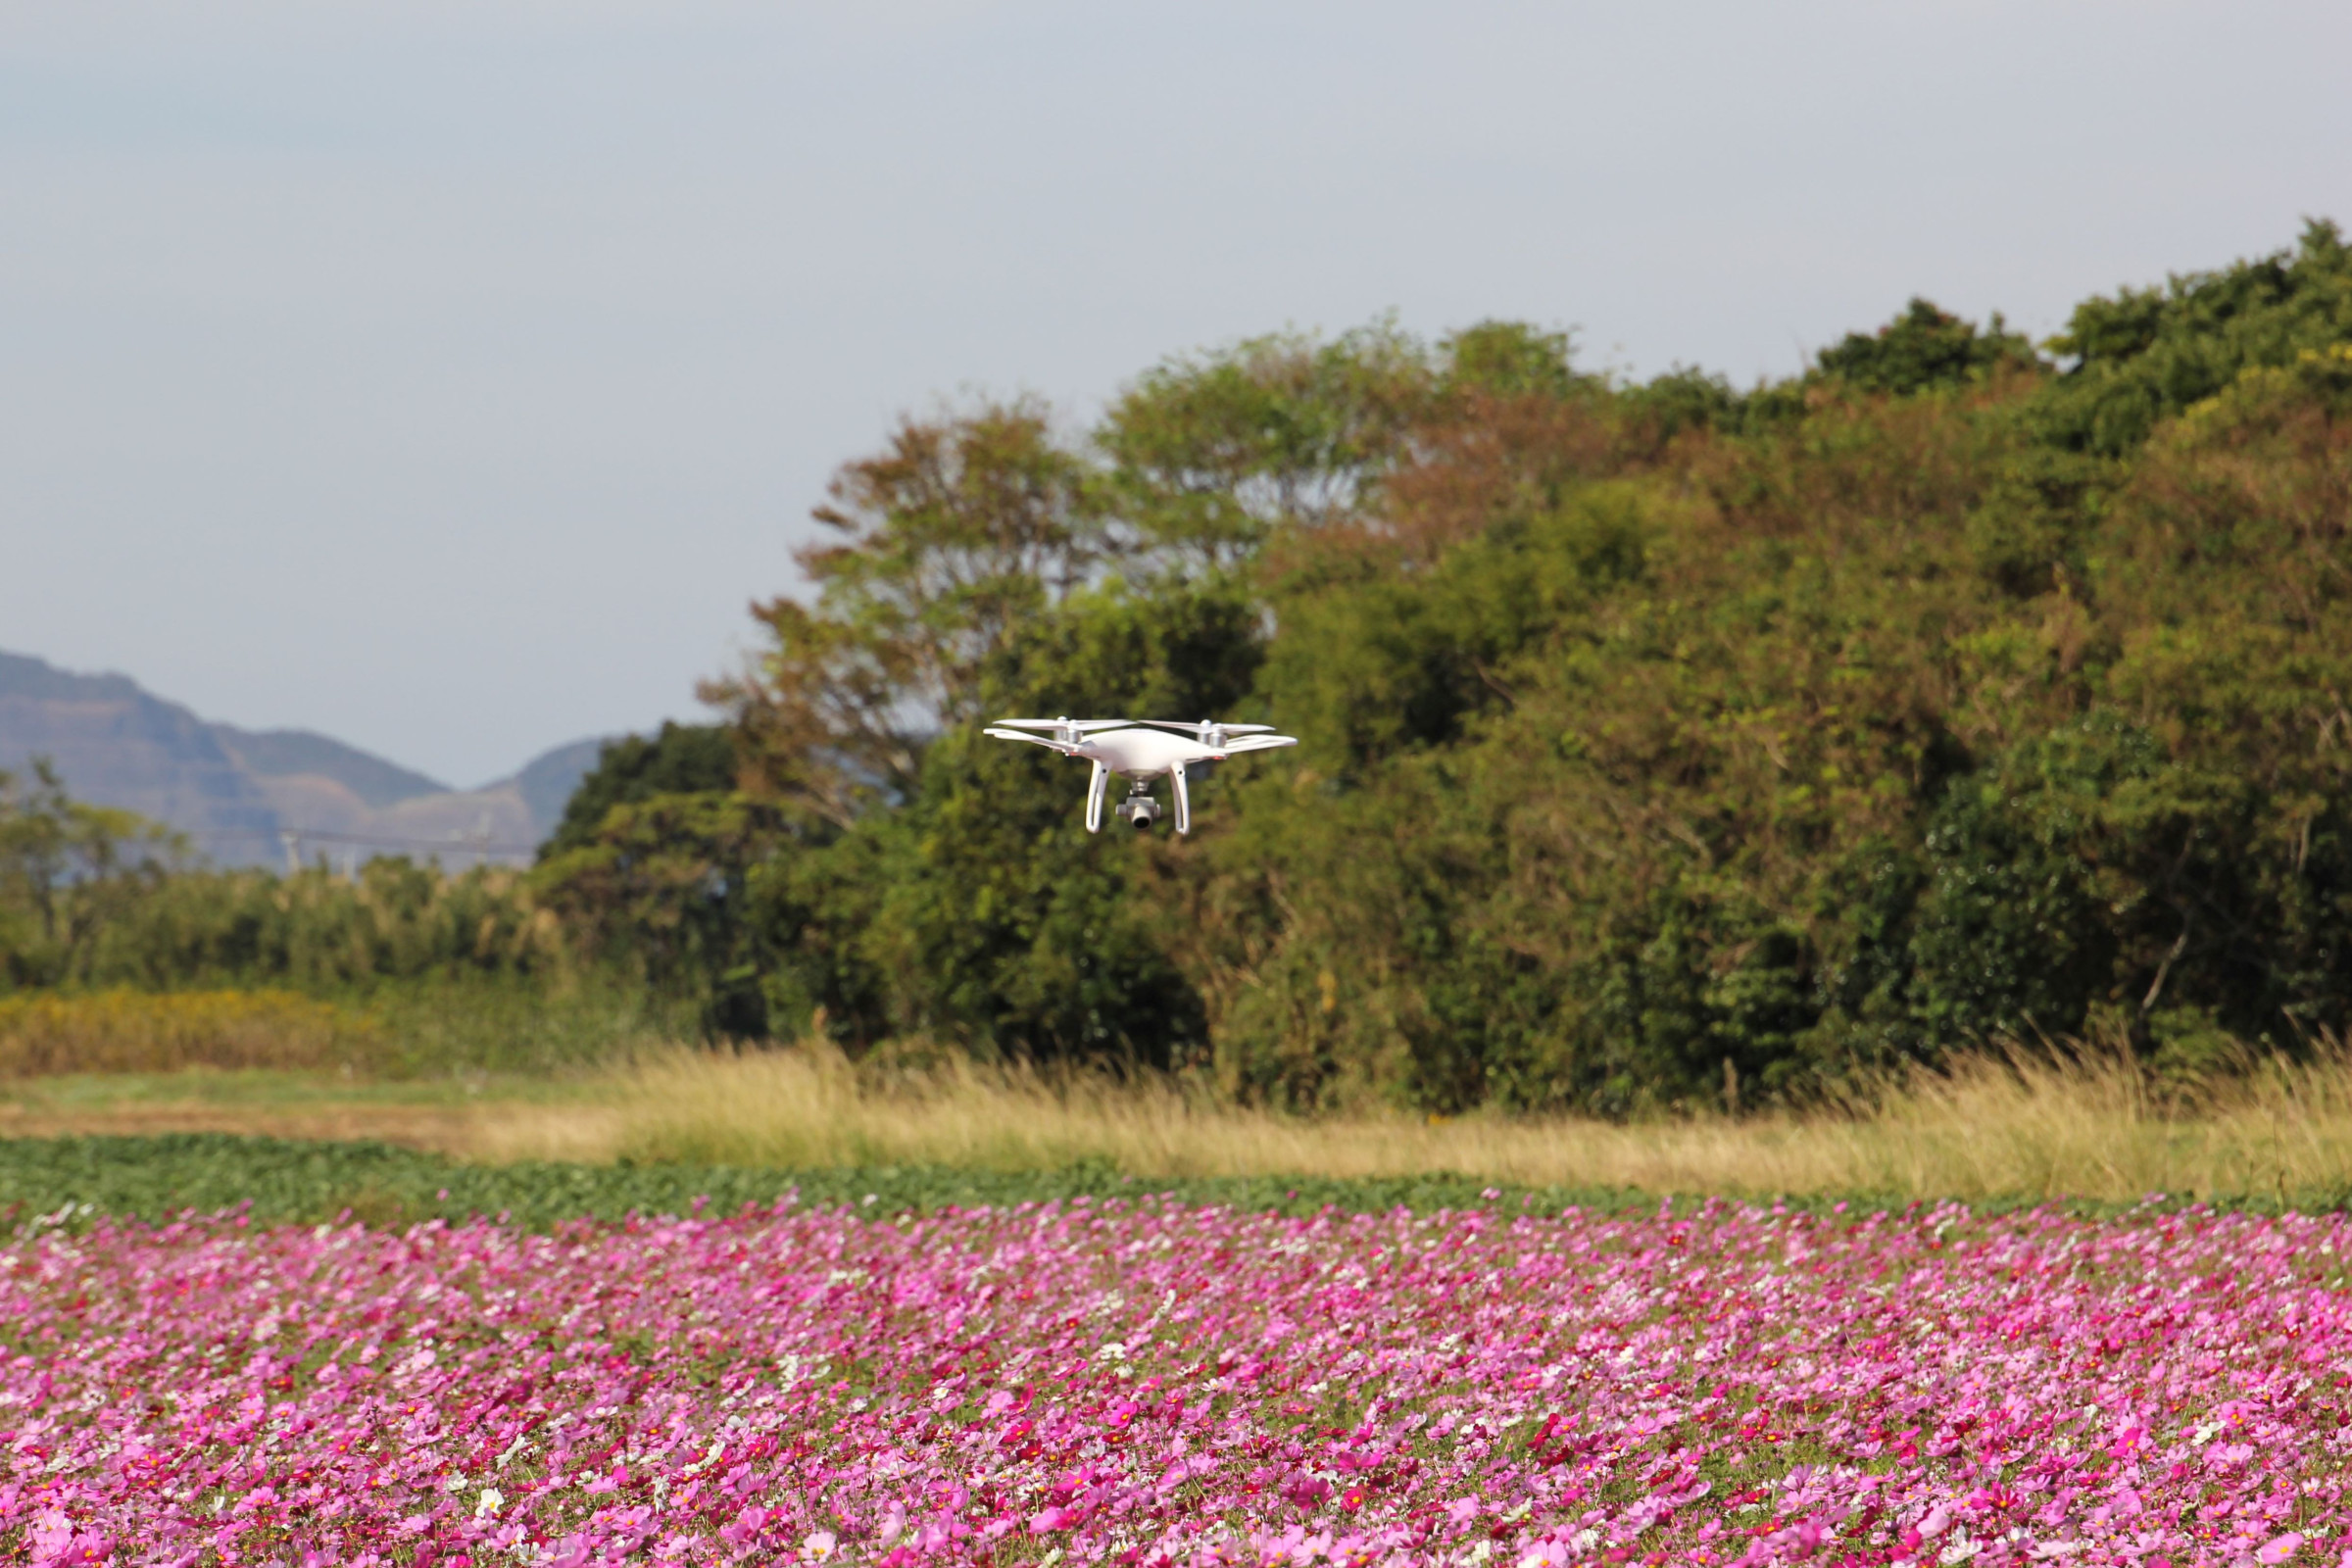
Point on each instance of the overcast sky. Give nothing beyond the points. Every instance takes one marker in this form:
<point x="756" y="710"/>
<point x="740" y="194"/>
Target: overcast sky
<point x="448" y="377"/>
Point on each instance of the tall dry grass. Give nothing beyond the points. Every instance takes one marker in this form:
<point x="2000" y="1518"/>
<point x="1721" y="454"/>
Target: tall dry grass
<point x="2024" y="1125"/>
<point x="1994" y="1127"/>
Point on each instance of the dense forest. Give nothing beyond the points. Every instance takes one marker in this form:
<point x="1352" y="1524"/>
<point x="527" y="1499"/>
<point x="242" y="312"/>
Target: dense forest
<point x="1662" y="743"/>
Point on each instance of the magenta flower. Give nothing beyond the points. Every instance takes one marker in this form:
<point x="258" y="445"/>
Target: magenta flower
<point x="1151" y="1384"/>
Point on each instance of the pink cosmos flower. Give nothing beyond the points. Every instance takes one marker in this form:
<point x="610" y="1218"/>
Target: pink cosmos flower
<point x="816" y="1386"/>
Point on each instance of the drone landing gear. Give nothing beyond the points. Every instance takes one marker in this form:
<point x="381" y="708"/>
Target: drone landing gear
<point x="1095" y="788"/>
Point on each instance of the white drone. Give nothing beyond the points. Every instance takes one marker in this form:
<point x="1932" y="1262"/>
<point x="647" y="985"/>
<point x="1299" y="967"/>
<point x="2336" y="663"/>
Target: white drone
<point x="1143" y="750"/>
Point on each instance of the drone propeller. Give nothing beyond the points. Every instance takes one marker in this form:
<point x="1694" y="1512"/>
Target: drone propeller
<point x="1063" y="723"/>
<point x="1201" y="731"/>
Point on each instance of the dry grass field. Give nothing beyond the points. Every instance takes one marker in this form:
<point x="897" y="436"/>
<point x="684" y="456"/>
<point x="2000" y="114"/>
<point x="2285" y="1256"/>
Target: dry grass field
<point x="1994" y="1128"/>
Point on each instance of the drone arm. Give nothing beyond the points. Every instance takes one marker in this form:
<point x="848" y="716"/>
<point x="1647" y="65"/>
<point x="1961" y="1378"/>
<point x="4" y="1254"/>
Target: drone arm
<point x="1258" y="743"/>
<point x="1095" y="788"/>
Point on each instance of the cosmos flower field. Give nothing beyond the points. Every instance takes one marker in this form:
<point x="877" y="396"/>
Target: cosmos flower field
<point x="1146" y="1382"/>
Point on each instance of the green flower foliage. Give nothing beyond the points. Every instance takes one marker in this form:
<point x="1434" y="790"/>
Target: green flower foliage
<point x="69" y="1181"/>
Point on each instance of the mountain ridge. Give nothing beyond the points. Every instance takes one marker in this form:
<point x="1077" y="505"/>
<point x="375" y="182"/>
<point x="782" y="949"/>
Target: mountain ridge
<point x="251" y="797"/>
<point x="289" y="753"/>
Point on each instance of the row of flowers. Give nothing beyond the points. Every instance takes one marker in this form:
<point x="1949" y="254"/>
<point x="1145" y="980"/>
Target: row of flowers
<point x="1146" y="1383"/>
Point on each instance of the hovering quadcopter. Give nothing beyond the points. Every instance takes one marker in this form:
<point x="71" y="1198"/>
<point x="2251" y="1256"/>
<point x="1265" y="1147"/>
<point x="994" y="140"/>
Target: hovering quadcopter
<point x="1143" y="750"/>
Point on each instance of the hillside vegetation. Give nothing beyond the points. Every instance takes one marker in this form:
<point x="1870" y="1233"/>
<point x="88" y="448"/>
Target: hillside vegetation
<point x="1663" y="744"/>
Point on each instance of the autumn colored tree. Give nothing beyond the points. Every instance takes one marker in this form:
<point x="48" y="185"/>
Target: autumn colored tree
<point x="941" y="546"/>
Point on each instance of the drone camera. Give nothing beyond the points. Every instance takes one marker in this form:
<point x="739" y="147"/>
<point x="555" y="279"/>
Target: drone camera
<point x="1141" y="814"/>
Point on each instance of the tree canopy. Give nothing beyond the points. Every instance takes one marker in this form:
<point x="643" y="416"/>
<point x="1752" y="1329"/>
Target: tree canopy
<point x="1663" y="743"/>
<point x="1657" y="736"/>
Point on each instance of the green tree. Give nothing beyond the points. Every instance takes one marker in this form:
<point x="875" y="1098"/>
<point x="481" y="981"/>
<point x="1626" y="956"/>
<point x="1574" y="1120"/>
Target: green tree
<point x="1684" y="398"/>
<point x="2140" y="356"/>
<point x="681" y="760"/>
<point x="987" y="914"/>
<point x="1921" y="349"/>
<point x="1511" y="359"/>
<point x="1211" y="454"/>
<point x="66" y="869"/>
<point x="664" y="884"/>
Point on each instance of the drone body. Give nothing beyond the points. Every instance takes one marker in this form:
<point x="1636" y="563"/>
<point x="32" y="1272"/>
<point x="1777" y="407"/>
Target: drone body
<point x="1141" y="749"/>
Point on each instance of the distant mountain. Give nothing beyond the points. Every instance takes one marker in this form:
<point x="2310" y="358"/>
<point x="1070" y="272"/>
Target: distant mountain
<point x="287" y="753"/>
<point x="236" y="793"/>
<point x="117" y="745"/>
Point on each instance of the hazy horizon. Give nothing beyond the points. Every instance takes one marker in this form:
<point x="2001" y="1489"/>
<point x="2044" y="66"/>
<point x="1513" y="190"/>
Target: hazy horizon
<point x="448" y="380"/>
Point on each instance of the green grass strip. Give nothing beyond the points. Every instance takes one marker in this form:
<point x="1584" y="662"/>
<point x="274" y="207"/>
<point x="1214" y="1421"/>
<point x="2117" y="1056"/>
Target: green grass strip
<point x="69" y="1181"/>
<point x="285" y="1181"/>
